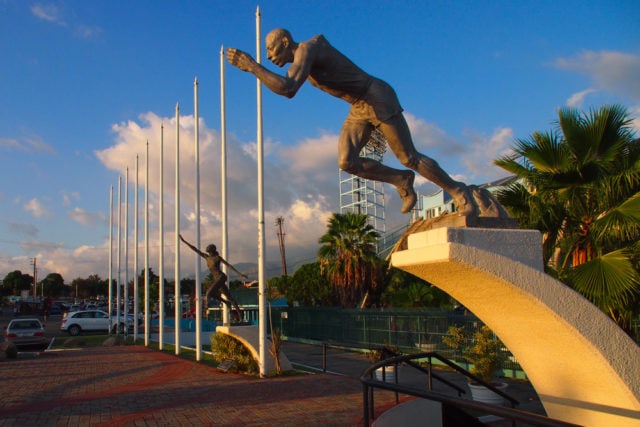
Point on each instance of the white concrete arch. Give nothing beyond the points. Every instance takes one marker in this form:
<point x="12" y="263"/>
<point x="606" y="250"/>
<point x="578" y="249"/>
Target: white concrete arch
<point x="585" y="369"/>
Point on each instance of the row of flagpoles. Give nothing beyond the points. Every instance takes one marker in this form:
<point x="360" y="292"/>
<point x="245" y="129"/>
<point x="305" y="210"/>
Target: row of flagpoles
<point x="224" y="236"/>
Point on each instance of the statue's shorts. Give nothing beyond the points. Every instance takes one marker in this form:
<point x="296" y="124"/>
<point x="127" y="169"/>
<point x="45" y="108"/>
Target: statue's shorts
<point x="378" y="104"/>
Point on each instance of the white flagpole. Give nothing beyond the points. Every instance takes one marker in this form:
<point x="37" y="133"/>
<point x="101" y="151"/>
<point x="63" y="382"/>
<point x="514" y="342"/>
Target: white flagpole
<point x="125" y="307"/>
<point x="161" y="249"/>
<point x="135" y="258"/>
<point x="223" y="177"/>
<point x="110" y="249"/>
<point x="177" y="300"/>
<point x="198" y="290"/>
<point x="261" y="241"/>
<point x="147" y="314"/>
<point x="119" y="252"/>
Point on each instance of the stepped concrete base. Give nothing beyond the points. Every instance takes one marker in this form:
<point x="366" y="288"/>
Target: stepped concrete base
<point x="249" y="336"/>
<point x="585" y="369"/>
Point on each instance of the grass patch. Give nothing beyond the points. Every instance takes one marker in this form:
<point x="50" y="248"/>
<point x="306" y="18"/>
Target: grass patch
<point x="84" y="341"/>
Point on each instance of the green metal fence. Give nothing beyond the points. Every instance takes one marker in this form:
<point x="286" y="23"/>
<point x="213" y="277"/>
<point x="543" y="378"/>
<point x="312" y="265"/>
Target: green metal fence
<point x="410" y="331"/>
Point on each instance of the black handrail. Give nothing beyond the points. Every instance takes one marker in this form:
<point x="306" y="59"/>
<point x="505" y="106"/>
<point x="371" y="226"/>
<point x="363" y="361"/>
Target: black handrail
<point x="369" y="384"/>
<point x="385" y="350"/>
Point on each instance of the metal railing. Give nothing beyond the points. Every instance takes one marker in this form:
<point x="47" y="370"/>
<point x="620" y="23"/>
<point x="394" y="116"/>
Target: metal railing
<point x="510" y="413"/>
<point x="409" y="331"/>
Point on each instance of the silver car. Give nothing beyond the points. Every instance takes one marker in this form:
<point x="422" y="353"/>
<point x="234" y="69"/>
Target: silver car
<point x="26" y="333"/>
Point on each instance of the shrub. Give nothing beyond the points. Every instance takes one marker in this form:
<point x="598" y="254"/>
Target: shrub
<point x="482" y="349"/>
<point x="226" y="347"/>
<point x="10" y="350"/>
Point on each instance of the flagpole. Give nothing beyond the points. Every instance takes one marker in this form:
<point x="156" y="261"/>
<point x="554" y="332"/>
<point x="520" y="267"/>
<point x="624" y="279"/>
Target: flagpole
<point x="223" y="177"/>
<point x="147" y="314"/>
<point x="135" y="258"/>
<point x="161" y="249"/>
<point x="261" y="241"/>
<point x="198" y="290"/>
<point x="119" y="252"/>
<point x="125" y="304"/>
<point x="110" y="249"/>
<point x="177" y="300"/>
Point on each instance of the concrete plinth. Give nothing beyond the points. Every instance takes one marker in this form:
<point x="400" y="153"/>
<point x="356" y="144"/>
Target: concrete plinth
<point x="249" y="336"/>
<point x="585" y="369"/>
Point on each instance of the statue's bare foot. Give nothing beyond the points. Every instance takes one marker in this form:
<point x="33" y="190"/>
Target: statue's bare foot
<point x="487" y="203"/>
<point x="465" y="203"/>
<point x="407" y="193"/>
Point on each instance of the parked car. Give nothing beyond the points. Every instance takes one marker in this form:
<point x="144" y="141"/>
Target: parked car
<point x="28" y="308"/>
<point x="77" y="322"/>
<point x="74" y="307"/>
<point x="26" y="333"/>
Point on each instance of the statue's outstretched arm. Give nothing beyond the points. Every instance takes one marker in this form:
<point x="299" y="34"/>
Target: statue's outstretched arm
<point x="233" y="268"/>
<point x="282" y="85"/>
<point x="193" y="248"/>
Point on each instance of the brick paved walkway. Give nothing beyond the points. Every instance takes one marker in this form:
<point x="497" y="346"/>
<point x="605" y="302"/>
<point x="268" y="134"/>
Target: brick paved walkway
<point x="135" y="386"/>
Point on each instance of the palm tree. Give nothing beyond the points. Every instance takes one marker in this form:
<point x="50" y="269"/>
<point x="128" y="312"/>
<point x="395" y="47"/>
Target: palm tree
<point x="579" y="185"/>
<point x="348" y="256"/>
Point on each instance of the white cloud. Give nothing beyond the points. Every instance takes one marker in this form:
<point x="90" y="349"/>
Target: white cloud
<point x="577" y="99"/>
<point x="36" y="208"/>
<point x="635" y="124"/>
<point x="482" y="151"/>
<point x="429" y="135"/>
<point x="296" y="180"/>
<point x="29" y="143"/>
<point x="59" y="14"/>
<point x="48" y="12"/>
<point x="86" y="218"/>
<point x="615" y="72"/>
<point x="300" y="181"/>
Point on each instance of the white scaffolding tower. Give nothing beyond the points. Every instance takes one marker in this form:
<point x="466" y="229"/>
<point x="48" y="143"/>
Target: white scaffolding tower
<point x="365" y="196"/>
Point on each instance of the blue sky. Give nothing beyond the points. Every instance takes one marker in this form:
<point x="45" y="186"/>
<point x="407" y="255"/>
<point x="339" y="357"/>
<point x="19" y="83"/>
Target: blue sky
<point x="84" y="85"/>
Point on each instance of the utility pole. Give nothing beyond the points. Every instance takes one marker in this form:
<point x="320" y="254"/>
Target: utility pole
<point x="35" y="279"/>
<point x="280" y="225"/>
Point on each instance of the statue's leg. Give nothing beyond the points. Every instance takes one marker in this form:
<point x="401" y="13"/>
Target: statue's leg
<point x="353" y="137"/>
<point x="398" y="136"/>
<point x="228" y="300"/>
<point x="207" y="295"/>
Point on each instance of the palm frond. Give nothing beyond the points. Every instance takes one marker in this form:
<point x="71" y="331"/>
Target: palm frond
<point x="608" y="280"/>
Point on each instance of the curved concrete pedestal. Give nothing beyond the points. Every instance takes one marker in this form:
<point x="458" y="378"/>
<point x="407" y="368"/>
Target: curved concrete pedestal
<point x="584" y="368"/>
<point x="249" y="336"/>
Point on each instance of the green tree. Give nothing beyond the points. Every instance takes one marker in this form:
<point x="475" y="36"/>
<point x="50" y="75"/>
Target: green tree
<point x="307" y="287"/>
<point x="348" y="257"/>
<point x="53" y="285"/>
<point x="16" y="282"/>
<point x="579" y="185"/>
<point x="404" y="290"/>
<point x="89" y="287"/>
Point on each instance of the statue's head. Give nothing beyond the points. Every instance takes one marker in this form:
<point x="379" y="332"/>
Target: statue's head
<point x="280" y="47"/>
<point x="212" y="250"/>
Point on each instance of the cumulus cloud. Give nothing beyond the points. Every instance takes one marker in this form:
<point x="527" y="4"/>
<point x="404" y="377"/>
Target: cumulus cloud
<point x="84" y="217"/>
<point x="36" y="209"/>
<point x="296" y="182"/>
<point x="300" y="185"/>
<point x="615" y="72"/>
<point x="482" y="151"/>
<point x="429" y="136"/>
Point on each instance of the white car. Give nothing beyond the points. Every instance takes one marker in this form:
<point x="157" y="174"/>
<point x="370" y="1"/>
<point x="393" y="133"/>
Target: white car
<point x="77" y="322"/>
